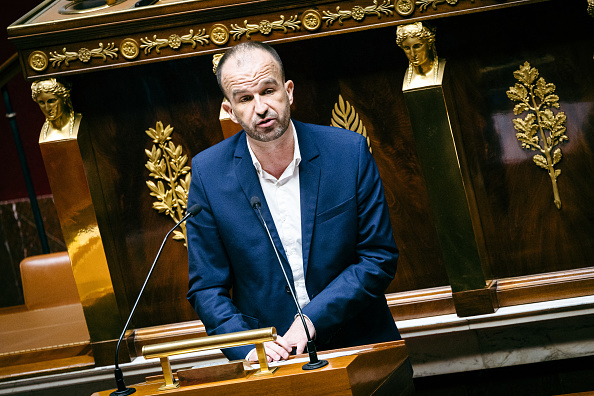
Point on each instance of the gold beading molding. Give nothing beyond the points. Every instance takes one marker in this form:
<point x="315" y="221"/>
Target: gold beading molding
<point x="358" y="13"/>
<point x="536" y="97"/>
<point x="84" y="54"/>
<point x="265" y="27"/>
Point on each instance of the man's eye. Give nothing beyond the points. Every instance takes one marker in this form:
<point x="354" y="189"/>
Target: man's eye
<point x="268" y="92"/>
<point x="244" y="99"/>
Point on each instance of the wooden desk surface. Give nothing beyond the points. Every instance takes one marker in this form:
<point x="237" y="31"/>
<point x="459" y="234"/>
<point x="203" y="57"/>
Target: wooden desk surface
<point x="358" y="374"/>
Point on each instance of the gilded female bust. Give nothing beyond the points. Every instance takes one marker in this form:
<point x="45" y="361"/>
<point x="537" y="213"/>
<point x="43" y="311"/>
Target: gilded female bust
<point x="53" y="98"/>
<point x="418" y="43"/>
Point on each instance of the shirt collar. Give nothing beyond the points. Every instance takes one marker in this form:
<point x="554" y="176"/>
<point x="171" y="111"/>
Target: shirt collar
<point x="291" y="167"/>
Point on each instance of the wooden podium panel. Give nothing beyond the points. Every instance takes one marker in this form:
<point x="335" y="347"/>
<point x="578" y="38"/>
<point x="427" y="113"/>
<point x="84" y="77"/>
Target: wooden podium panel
<point x="379" y="369"/>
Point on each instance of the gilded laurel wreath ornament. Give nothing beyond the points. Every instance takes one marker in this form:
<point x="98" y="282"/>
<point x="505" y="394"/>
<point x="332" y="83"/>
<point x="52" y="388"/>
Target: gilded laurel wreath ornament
<point x="358" y="13"/>
<point x="345" y="116"/>
<point x="84" y="54"/>
<point x="265" y="27"/>
<point x="174" y="41"/>
<point x="168" y="166"/>
<point x="541" y="130"/>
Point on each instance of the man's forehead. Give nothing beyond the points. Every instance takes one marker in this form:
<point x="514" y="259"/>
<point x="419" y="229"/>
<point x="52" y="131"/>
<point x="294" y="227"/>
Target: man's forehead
<point x="244" y="60"/>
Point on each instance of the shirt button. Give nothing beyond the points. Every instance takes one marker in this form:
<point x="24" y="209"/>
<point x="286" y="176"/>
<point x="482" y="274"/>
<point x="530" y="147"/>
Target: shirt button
<point x="288" y="289"/>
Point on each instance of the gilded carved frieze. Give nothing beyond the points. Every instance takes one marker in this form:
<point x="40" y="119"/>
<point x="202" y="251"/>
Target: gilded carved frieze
<point x="218" y="34"/>
<point x="541" y="129"/>
<point x="265" y="27"/>
<point x="174" y="41"/>
<point x="84" y="54"/>
<point x="358" y="13"/>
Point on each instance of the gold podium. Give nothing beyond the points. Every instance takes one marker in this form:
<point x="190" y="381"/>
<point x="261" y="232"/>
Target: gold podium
<point x="378" y="369"/>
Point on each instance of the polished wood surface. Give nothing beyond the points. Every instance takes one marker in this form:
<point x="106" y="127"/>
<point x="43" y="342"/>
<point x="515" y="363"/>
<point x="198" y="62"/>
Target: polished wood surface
<point x="365" y="373"/>
<point x="51" y="360"/>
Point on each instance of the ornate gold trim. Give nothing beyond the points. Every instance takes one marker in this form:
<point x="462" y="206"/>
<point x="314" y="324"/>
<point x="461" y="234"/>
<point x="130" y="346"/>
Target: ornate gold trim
<point x="129" y="48"/>
<point x="358" y="13"/>
<point x="265" y="27"/>
<point x="84" y="54"/>
<point x="312" y="20"/>
<point x="38" y="61"/>
<point x="174" y="41"/>
<point x="219" y="34"/>
<point x="405" y="7"/>
<point x="424" y="4"/>
<point x="536" y="97"/>
<point x="167" y="163"/>
<point x="345" y="116"/>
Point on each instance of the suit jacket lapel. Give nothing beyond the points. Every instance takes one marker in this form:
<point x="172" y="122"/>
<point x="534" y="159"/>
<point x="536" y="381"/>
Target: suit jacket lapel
<point x="248" y="180"/>
<point x="309" y="183"/>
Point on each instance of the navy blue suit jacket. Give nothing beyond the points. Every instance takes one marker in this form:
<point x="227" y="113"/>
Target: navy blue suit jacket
<point x="349" y="253"/>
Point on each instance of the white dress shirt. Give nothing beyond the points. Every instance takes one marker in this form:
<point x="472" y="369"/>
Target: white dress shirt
<point x="282" y="197"/>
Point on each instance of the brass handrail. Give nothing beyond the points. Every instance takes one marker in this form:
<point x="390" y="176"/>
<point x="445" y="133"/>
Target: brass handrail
<point x="166" y="349"/>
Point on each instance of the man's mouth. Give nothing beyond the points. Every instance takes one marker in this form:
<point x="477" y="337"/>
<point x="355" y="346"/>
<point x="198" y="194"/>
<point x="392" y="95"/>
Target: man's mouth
<point x="267" y="122"/>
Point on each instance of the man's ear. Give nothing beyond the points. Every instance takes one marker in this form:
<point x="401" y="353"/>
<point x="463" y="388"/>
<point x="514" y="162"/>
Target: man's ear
<point x="289" y="86"/>
<point x="227" y="107"/>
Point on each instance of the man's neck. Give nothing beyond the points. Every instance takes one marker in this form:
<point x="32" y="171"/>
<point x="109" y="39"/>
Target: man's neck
<point x="275" y="156"/>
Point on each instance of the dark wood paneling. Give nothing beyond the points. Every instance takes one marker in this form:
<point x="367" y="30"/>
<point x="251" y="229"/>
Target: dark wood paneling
<point x="118" y="107"/>
<point x="525" y="233"/>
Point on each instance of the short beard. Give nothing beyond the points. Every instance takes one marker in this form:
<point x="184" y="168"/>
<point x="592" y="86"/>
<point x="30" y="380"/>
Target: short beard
<point x="272" y="135"/>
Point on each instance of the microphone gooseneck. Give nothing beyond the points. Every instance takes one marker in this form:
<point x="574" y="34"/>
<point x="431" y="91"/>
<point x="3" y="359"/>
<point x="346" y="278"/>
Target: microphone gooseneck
<point x="119" y="376"/>
<point x="314" y="362"/>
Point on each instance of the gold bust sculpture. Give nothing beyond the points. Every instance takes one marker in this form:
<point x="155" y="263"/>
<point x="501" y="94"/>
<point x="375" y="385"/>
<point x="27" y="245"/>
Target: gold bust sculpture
<point x="424" y="67"/>
<point x="53" y="98"/>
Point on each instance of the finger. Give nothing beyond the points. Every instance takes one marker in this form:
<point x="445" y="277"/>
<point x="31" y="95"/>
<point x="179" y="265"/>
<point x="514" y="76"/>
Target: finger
<point x="300" y="348"/>
<point x="280" y="351"/>
<point x="282" y="342"/>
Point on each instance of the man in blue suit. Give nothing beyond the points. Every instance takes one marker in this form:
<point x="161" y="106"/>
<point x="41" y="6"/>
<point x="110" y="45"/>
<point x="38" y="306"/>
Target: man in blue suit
<point x="324" y="203"/>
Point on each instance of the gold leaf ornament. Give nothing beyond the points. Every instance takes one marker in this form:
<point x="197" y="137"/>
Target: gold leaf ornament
<point x="168" y="167"/>
<point x="344" y="116"/>
<point x="541" y="129"/>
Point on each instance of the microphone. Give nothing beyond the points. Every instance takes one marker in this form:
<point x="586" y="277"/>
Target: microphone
<point x="119" y="376"/>
<point x="314" y="362"/>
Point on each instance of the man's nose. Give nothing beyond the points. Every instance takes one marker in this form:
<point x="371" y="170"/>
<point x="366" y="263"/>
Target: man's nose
<point x="261" y="107"/>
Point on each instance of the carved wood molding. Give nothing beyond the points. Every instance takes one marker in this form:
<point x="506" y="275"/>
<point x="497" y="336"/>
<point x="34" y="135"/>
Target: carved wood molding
<point x="423" y="303"/>
<point x="124" y="37"/>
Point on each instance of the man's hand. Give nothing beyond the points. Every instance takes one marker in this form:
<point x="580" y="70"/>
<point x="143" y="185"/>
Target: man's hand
<point x="275" y="350"/>
<point x="296" y="336"/>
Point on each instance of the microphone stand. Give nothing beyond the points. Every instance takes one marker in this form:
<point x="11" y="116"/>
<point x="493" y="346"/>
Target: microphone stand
<point x="119" y="376"/>
<point x="314" y="362"/>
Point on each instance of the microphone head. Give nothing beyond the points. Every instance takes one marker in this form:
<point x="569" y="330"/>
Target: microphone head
<point x="194" y="210"/>
<point x="255" y="202"/>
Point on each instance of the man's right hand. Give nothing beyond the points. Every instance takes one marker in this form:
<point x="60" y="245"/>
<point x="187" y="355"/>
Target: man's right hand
<point x="275" y="350"/>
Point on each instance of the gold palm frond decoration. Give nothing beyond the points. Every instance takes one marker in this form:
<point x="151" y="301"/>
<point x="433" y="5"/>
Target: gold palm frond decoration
<point x="168" y="167"/>
<point x="345" y="116"/>
<point x="541" y="130"/>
